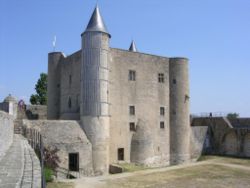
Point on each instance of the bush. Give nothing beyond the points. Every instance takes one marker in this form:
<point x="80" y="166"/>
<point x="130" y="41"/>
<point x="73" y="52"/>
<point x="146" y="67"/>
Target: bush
<point x="48" y="174"/>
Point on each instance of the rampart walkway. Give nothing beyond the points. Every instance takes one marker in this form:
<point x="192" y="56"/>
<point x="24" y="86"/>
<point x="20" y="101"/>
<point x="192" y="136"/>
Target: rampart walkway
<point x="20" y="166"/>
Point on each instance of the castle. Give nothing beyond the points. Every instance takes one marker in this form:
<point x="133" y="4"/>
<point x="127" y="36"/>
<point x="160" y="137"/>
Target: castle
<point x="132" y="106"/>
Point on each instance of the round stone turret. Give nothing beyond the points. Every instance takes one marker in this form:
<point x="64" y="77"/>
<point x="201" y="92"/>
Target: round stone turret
<point x="53" y="93"/>
<point x="94" y="90"/>
<point x="179" y="111"/>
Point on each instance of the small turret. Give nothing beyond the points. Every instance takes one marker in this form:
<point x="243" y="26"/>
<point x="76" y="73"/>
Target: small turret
<point x="10" y="105"/>
<point x="132" y="47"/>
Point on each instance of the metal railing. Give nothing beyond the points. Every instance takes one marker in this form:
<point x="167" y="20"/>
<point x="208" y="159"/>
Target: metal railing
<point x="210" y="114"/>
<point x="36" y="142"/>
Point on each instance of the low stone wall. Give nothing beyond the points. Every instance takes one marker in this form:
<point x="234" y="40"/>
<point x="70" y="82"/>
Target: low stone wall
<point x="6" y="132"/>
<point x="226" y="136"/>
<point x="32" y="112"/>
<point x="67" y="137"/>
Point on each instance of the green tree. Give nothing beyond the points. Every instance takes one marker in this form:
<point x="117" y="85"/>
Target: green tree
<point x="41" y="91"/>
<point x="232" y="115"/>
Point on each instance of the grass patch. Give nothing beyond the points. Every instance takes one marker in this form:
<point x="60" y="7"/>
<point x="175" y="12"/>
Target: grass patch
<point x="60" y="185"/>
<point x="226" y="159"/>
<point x="201" y="176"/>
<point x="48" y="174"/>
<point x="129" y="167"/>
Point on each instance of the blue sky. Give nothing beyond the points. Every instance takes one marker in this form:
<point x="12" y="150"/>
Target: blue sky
<point x="213" y="34"/>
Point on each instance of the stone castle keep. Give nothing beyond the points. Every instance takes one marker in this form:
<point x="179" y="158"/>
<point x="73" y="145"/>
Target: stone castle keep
<point x="132" y="106"/>
<point x="109" y="106"/>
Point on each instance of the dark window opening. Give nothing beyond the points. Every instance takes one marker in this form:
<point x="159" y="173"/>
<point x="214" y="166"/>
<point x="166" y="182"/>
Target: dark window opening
<point x="162" y="111"/>
<point x="69" y="102"/>
<point x="121" y="154"/>
<point x="131" y="110"/>
<point x="162" y="126"/>
<point x="132" y="75"/>
<point x="132" y="126"/>
<point x="74" y="161"/>
<point x="161" y="78"/>
<point x="77" y="103"/>
<point x="70" y="79"/>
<point x="174" y="81"/>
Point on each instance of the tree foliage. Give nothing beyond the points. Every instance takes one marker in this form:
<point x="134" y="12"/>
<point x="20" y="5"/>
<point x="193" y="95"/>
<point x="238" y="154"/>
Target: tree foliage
<point x="41" y="91"/>
<point x="232" y="115"/>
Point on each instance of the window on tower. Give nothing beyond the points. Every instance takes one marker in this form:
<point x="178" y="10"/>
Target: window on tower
<point x="132" y="126"/>
<point x="131" y="110"/>
<point x="69" y="102"/>
<point x="162" y="111"/>
<point x="161" y="78"/>
<point x="132" y="75"/>
<point x="70" y="79"/>
<point x="162" y="125"/>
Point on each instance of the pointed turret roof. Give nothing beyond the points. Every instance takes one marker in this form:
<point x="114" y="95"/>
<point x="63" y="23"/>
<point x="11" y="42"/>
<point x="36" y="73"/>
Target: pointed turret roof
<point x="132" y="47"/>
<point x="96" y="22"/>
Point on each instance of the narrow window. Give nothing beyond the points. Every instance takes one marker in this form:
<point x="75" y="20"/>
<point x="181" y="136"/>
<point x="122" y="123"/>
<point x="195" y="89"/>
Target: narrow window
<point x="69" y="102"/>
<point x="132" y="75"/>
<point x="162" y="111"/>
<point x="120" y="154"/>
<point x="174" y="81"/>
<point x="74" y="161"/>
<point x="77" y="103"/>
<point x="132" y="126"/>
<point x="131" y="110"/>
<point x="162" y="126"/>
<point x="161" y="78"/>
<point x="70" y="79"/>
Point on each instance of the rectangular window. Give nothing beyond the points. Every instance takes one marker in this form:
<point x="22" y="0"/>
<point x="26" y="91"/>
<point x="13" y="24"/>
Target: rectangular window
<point x="132" y="126"/>
<point x="70" y="79"/>
<point x="161" y="78"/>
<point x="74" y="161"/>
<point x="121" y="154"/>
<point x="162" y="111"/>
<point x="131" y="75"/>
<point x="131" y="110"/>
<point x="162" y="126"/>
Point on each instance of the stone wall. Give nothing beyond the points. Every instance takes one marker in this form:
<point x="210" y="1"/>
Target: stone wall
<point x="225" y="136"/>
<point x="147" y="95"/>
<point x="32" y="112"/>
<point x="6" y="132"/>
<point x="70" y="87"/>
<point x="68" y="137"/>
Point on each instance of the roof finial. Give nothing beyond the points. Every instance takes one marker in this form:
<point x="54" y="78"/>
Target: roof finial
<point x="96" y="22"/>
<point x="132" y="47"/>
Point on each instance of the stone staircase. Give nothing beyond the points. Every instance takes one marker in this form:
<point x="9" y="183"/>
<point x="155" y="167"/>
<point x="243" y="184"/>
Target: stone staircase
<point x="20" y="166"/>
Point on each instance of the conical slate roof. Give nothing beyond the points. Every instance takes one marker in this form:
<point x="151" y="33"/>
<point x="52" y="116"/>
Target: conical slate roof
<point x="132" y="47"/>
<point x="96" y="22"/>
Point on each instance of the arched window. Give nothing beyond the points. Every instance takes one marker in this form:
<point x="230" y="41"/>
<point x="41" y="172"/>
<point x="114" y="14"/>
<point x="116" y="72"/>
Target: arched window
<point x="69" y="102"/>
